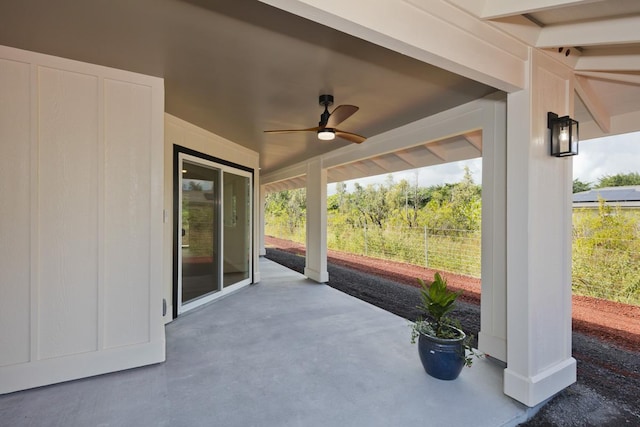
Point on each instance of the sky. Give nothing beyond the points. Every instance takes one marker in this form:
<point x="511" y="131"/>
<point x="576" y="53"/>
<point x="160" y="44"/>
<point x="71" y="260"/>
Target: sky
<point x="607" y="156"/>
<point x="596" y="158"/>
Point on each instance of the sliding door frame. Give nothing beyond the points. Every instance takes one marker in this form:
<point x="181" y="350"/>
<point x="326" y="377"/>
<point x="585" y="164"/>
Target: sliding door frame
<point x="180" y="152"/>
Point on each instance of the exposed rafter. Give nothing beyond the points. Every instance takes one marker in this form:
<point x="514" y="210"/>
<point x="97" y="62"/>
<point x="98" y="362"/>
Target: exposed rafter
<point x="593" y="33"/>
<point x="633" y="79"/>
<point x="593" y="103"/>
<point x="337" y="174"/>
<point x="407" y="158"/>
<point x="500" y="8"/>
<point x="383" y="162"/>
<point x="609" y="61"/>
<point x="438" y="151"/>
<point x="475" y="139"/>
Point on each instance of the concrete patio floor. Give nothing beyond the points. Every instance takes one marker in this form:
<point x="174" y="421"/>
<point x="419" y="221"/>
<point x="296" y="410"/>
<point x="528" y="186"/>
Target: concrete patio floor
<point x="284" y="352"/>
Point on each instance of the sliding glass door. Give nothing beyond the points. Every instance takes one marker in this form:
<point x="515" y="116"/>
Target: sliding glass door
<point x="214" y="230"/>
<point x="237" y="228"/>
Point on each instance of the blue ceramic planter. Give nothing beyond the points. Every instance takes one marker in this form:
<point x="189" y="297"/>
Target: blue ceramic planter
<point x="442" y="358"/>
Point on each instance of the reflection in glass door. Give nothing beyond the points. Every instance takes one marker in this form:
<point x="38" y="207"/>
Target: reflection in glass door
<point x="200" y="190"/>
<point x="214" y="230"/>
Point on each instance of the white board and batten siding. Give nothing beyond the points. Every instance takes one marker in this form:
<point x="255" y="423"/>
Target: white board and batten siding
<point x="81" y="198"/>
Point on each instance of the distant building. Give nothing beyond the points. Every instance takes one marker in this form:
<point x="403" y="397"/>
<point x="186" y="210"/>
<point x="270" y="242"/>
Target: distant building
<point x="624" y="197"/>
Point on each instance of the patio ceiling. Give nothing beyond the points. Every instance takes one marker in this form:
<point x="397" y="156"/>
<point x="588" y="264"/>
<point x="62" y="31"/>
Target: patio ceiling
<point x="236" y="68"/>
<point x="598" y="38"/>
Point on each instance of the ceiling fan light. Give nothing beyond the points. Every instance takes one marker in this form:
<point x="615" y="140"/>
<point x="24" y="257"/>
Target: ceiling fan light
<point x="326" y="134"/>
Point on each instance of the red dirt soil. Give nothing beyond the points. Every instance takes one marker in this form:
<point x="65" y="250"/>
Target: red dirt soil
<point x="612" y="322"/>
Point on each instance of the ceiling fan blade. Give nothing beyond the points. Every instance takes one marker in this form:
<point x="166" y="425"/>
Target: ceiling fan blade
<point x="315" y="129"/>
<point x="353" y="137"/>
<point x="340" y="114"/>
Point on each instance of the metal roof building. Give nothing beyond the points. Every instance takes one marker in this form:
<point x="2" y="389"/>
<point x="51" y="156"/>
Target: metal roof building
<point x="624" y="197"/>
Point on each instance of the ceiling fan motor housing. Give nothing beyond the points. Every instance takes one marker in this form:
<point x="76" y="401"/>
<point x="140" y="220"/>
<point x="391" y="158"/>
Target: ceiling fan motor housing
<point x="326" y="100"/>
<point x="327" y="127"/>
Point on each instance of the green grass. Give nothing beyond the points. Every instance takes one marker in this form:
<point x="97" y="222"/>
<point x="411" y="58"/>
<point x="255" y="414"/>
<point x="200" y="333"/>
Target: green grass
<point x="606" y="250"/>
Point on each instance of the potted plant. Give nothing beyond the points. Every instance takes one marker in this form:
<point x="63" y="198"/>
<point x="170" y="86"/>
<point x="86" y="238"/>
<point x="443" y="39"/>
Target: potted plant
<point x="442" y="344"/>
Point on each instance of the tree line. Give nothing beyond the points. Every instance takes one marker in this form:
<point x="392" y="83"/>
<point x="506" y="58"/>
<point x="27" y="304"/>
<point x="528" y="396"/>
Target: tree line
<point x="454" y="206"/>
<point x="398" y="204"/>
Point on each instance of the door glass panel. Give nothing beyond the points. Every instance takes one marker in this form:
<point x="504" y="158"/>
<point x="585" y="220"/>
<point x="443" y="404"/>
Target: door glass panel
<point x="237" y="228"/>
<point x="200" y="248"/>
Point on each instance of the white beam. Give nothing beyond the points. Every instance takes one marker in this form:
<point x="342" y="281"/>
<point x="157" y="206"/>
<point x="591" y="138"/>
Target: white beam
<point x="415" y="28"/>
<point x="612" y="61"/>
<point x="501" y="8"/>
<point x="592" y="33"/>
<point x="519" y="27"/>
<point x="593" y="103"/>
<point x="633" y="79"/>
<point x="456" y="121"/>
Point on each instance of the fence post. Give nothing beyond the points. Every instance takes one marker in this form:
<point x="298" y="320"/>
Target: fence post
<point x="426" y="248"/>
<point x="365" y="239"/>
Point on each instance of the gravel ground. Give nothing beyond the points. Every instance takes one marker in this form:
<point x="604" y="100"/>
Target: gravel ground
<point x="608" y="386"/>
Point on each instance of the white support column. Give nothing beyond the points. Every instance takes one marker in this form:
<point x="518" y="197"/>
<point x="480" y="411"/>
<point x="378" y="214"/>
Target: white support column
<point x="492" y="339"/>
<point x="262" y="197"/>
<point x="539" y="362"/>
<point x="316" y="259"/>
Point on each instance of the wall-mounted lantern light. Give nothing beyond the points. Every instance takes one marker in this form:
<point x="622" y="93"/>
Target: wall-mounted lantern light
<point x="564" y="135"/>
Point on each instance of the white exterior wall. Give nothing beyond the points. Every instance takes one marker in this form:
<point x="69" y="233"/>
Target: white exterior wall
<point x="80" y="220"/>
<point x="185" y="134"/>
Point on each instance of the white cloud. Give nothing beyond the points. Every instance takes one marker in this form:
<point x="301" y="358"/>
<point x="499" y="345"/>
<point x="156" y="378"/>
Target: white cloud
<point x="610" y="155"/>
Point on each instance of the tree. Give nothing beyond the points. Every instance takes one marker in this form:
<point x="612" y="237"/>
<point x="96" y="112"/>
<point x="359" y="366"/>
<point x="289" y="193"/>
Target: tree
<point x="579" y="186"/>
<point x="287" y="207"/>
<point x="465" y="203"/>
<point x="370" y="201"/>
<point x="404" y="201"/>
<point x="619" y="179"/>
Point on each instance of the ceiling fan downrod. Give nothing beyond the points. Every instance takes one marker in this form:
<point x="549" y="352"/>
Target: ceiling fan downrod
<point x="326" y="101"/>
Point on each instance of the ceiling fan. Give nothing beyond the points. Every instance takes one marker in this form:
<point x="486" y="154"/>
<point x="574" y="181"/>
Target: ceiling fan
<point x="326" y="128"/>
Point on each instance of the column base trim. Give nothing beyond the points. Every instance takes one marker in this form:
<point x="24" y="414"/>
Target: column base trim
<point x="493" y="346"/>
<point x="318" y="276"/>
<point x="534" y="390"/>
